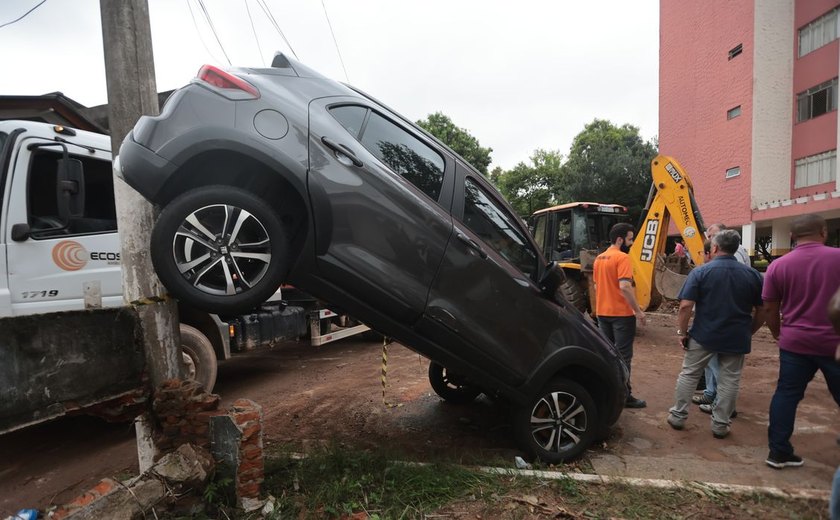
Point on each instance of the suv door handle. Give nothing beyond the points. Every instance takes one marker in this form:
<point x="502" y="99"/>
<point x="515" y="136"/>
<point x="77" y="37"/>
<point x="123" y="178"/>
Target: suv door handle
<point x="472" y="244"/>
<point x="342" y="149"/>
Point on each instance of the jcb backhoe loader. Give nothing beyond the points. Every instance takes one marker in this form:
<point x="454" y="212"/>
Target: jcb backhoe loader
<point x="574" y="234"/>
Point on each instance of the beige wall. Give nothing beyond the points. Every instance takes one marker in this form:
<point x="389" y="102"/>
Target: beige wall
<point x="772" y="95"/>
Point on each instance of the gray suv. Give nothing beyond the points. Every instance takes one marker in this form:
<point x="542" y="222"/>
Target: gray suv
<point x="279" y="174"/>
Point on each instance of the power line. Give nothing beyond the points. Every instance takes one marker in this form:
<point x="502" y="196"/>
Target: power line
<point x="213" y="29"/>
<point x="200" y="38"/>
<point x="24" y="15"/>
<point x="267" y="11"/>
<point x="253" y="30"/>
<point x="335" y="41"/>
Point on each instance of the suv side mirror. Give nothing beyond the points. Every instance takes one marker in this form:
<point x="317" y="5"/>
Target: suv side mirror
<point x="70" y="189"/>
<point x="551" y="279"/>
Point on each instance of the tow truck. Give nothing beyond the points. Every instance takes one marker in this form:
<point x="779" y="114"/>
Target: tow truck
<point x="574" y="234"/>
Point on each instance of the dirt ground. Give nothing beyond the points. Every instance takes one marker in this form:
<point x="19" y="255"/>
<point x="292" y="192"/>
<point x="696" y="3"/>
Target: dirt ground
<point x="334" y="393"/>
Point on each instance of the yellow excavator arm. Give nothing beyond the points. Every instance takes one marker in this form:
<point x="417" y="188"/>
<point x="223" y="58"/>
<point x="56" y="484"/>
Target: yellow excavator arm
<point x="671" y="196"/>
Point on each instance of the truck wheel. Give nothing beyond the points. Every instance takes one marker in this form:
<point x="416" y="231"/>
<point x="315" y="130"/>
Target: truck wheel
<point x="199" y="357"/>
<point x="574" y="293"/>
<point x="559" y="423"/>
<point x="450" y="386"/>
<point x="220" y="249"/>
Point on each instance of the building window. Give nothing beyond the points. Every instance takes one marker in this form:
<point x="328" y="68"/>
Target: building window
<point x="732" y="113"/>
<point x="821" y="31"/>
<point x="733" y="172"/>
<point x="734" y="51"/>
<point x="816" y="169"/>
<point x="816" y="101"/>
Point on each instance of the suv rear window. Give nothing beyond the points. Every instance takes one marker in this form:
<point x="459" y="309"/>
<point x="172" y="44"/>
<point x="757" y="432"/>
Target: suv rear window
<point x="409" y="157"/>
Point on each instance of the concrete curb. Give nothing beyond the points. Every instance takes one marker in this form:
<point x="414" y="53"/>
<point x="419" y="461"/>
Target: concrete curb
<point x="704" y="488"/>
<point x="701" y="487"/>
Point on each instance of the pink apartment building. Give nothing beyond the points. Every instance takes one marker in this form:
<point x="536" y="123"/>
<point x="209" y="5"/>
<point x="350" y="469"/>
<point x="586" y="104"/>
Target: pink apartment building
<point x="748" y="105"/>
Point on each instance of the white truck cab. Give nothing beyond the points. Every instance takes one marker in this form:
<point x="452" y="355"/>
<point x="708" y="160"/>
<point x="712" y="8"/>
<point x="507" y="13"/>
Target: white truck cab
<point x="48" y="264"/>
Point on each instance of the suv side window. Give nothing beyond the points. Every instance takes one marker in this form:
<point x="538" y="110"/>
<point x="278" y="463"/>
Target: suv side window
<point x="406" y="155"/>
<point x="351" y="117"/>
<point x="100" y="214"/>
<point x="497" y="228"/>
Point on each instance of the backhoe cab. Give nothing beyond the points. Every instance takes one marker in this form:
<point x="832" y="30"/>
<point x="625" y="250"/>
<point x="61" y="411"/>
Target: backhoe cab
<point x="574" y="234"/>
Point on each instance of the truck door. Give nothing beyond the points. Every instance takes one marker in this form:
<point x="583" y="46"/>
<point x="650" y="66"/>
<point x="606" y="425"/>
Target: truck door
<point x="380" y="195"/>
<point x="49" y="270"/>
<point x="484" y="304"/>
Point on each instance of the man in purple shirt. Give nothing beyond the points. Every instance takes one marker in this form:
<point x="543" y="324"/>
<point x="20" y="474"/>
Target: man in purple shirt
<point x="800" y="285"/>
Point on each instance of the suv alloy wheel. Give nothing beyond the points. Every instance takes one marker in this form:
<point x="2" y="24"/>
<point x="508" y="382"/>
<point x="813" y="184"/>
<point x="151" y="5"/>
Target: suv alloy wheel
<point x="221" y="248"/>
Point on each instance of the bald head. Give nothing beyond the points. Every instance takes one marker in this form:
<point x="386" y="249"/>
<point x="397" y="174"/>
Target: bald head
<point x="808" y="228"/>
<point x="714" y="229"/>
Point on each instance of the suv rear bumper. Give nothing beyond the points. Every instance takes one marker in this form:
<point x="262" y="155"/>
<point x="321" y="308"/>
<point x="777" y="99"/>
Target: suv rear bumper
<point x="143" y="169"/>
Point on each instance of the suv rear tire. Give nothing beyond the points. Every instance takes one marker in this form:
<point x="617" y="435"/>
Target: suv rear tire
<point x="220" y="249"/>
<point x="559" y="424"/>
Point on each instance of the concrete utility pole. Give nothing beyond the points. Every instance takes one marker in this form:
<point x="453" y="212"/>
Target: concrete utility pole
<point x="130" y="75"/>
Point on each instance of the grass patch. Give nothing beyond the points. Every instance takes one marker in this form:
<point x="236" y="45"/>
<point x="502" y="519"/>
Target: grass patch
<point x="334" y="482"/>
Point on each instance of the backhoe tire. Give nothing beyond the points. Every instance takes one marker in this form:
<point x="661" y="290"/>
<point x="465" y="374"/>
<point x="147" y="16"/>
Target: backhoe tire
<point x="199" y="357"/>
<point x="574" y="293"/>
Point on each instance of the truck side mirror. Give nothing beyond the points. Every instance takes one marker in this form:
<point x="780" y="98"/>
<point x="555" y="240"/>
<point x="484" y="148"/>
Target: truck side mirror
<point x="21" y="232"/>
<point x="70" y="189"/>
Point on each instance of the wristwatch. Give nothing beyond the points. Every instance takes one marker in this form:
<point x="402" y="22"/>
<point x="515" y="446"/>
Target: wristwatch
<point x="680" y="332"/>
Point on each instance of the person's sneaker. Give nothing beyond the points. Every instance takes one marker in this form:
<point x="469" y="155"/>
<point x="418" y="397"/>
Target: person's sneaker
<point x="720" y="434"/>
<point x="781" y="460"/>
<point x="702" y="399"/>
<point x="675" y="422"/>
<point x="707" y="408"/>
<point x="633" y="402"/>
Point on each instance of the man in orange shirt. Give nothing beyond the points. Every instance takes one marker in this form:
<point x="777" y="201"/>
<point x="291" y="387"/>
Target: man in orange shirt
<point x="616" y="304"/>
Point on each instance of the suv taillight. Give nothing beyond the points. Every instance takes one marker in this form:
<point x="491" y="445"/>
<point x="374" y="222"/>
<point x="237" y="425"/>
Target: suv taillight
<point x="225" y="80"/>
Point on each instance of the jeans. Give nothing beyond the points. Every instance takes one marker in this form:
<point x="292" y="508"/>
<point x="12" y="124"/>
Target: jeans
<point x="795" y="372"/>
<point x="834" y="503"/>
<point x="695" y="360"/>
<point x="620" y="330"/>
<point x="712" y="374"/>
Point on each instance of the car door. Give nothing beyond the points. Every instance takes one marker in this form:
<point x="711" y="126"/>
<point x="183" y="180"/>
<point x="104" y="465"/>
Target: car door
<point x="484" y="303"/>
<point x="51" y="270"/>
<point x="380" y="193"/>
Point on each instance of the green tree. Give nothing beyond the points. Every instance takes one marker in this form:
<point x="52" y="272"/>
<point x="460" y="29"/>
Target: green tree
<point x="529" y="187"/>
<point x="610" y="164"/>
<point x="459" y="139"/>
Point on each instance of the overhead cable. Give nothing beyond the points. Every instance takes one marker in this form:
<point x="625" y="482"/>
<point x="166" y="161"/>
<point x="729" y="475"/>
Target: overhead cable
<point x="201" y="38"/>
<point x="346" y="77"/>
<point x="267" y="11"/>
<point x="253" y="30"/>
<point x="213" y="29"/>
<point x="24" y="15"/>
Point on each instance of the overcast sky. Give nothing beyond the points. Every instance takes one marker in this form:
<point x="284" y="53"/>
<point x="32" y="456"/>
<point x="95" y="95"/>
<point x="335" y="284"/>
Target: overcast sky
<point x="517" y="75"/>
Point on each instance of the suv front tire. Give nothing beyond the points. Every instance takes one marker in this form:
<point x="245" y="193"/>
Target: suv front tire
<point x="558" y="424"/>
